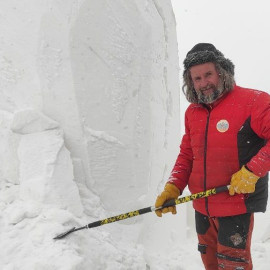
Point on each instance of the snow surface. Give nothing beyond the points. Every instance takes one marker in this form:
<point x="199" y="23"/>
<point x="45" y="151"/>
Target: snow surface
<point x="89" y="124"/>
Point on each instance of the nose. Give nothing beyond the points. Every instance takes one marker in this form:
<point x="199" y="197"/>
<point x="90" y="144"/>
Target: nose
<point x="204" y="82"/>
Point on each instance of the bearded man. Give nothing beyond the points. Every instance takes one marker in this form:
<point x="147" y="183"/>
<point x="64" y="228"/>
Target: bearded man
<point x="226" y="142"/>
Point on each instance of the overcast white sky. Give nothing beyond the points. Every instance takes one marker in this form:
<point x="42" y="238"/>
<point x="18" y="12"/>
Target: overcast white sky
<point x="238" y="28"/>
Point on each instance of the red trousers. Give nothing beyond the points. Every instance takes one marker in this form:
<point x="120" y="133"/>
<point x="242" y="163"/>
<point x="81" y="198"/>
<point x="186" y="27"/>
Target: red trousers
<point x="224" y="242"/>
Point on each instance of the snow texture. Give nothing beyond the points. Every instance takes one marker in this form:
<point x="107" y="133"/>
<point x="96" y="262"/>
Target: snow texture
<point x="89" y="124"/>
<point x="89" y="116"/>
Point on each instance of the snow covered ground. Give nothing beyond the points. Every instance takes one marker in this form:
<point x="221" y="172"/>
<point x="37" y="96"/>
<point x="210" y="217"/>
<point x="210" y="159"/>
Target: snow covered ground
<point x="90" y="128"/>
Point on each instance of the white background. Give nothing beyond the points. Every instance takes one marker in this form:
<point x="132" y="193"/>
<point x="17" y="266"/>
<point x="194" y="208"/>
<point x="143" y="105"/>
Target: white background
<point x="240" y="29"/>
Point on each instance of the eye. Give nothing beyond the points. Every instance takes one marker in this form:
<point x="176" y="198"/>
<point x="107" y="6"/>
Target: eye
<point x="208" y="74"/>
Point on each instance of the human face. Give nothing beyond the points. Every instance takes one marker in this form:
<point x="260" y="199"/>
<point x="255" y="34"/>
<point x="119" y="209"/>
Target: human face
<point x="206" y="82"/>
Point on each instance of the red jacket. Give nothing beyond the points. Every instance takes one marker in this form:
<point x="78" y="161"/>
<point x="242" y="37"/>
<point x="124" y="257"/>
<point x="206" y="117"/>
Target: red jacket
<point x="218" y="140"/>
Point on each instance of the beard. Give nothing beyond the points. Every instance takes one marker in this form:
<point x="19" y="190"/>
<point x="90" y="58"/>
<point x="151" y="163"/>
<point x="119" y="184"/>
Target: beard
<point x="210" y="98"/>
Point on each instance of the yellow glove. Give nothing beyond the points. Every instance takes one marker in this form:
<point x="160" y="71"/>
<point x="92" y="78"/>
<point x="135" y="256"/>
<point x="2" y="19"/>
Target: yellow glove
<point x="243" y="181"/>
<point x="170" y="192"/>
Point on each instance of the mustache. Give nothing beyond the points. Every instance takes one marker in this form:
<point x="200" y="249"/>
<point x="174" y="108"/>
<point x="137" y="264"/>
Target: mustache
<point x="207" y="87"/>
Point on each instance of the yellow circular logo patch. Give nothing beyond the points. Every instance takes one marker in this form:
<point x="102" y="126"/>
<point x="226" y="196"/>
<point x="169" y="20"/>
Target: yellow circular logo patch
<point x="222" y="125"/>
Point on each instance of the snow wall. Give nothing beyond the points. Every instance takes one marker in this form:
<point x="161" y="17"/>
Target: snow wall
<point x="89" y="126"/>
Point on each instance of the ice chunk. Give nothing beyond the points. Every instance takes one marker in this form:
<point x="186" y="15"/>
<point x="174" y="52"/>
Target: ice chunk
<point x="46" y="171"/>
<point x="30" y="121"/>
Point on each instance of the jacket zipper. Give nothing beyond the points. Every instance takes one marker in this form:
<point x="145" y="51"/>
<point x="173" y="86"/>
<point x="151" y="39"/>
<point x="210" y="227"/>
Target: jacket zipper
<point x="205" y="154"/>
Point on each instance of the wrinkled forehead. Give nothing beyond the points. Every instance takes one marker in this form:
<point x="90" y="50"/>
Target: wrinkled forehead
<point x="201" y="69"/>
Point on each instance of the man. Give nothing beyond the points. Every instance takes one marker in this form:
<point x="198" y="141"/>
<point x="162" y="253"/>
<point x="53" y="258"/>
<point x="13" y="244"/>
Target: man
<point x="226" y="141"/>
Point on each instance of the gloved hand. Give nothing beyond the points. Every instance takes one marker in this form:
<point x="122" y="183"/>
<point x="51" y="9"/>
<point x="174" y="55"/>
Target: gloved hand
<point x="243" y="181"/>
<point x="170" y="192"/>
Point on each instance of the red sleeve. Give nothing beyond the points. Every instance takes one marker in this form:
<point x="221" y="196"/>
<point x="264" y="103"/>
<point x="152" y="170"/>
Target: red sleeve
<point x="260" y="123"/>
<point x="183" y="165"/>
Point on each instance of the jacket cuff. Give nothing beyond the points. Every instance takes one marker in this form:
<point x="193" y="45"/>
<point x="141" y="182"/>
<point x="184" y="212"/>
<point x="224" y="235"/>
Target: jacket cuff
<point x="248" y="168"/>
<point x="255" y="169"/>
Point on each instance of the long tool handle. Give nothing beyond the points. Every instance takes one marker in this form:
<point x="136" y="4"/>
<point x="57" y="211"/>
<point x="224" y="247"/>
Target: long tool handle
<point x="194" y="196"/>
<point x="142" y="211"/>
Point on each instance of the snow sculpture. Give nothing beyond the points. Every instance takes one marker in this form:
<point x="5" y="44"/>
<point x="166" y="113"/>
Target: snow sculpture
<point x="89" y="120"/>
